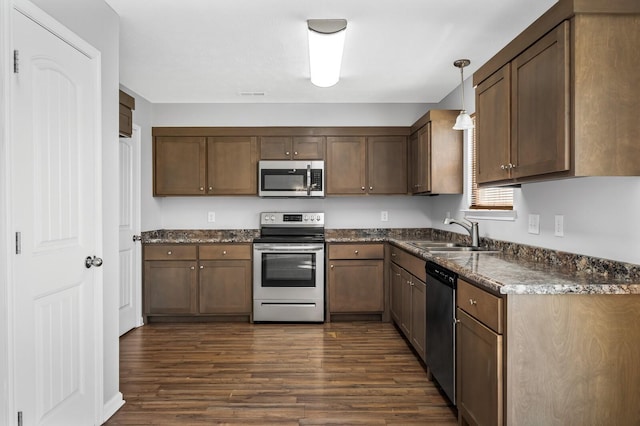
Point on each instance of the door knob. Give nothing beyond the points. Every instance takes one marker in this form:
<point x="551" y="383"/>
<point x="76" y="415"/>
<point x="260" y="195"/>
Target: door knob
<point x="92" y="261"/>
<point x="137" y="238"/>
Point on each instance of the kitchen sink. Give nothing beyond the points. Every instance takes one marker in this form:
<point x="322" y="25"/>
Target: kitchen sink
<point x="427" y="245"/>
<point x="458" y="248"/>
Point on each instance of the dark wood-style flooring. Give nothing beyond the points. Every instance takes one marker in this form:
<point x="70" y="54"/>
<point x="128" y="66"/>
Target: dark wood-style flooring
<point x="281" y="374"/>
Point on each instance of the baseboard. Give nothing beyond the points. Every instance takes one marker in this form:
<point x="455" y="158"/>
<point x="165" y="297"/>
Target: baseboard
<point x="113" y="405"/>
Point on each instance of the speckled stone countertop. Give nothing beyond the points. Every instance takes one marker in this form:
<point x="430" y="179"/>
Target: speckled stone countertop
<point x="509" y="268"/>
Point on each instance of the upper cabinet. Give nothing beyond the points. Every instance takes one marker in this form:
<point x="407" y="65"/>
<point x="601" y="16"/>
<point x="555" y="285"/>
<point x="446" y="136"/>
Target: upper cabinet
<point x="127" y="105"/>
<point x="292" y="147"/>
<point x="366" y="165"/>
<point x="199" y="165"/>
<point x="435" y="154"/>
<point x="561" y="99"/>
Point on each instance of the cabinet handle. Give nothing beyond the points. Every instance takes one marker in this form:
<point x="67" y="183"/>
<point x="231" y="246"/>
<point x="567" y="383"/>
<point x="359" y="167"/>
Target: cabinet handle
<point x="502" y="166"/>
<point x="473" y="302"/>
<point x="201" y="267"/>
<point x="169" y="252"/>
<point x="211" y="188"/>
<point x="224" y="252"/>
<point x="393" y="255"/>
<point x="512" y="166"/>
<point x="202" y="188"/>
<point x="397" y="274"/>
<point x="295" y="152"/>
<point x="331" y="266"/>
<point x="192" y="268"/>
<point x="362" y="188"/>
<point x="286" y="153"/>
<point x="355" y="251"/>
<point x="371" y="188"/>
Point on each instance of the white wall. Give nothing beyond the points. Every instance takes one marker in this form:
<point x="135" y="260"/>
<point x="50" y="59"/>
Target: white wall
<point x="98" y="24"/>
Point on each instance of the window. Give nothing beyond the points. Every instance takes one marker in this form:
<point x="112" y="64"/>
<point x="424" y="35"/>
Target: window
<point x="486" y="198"/>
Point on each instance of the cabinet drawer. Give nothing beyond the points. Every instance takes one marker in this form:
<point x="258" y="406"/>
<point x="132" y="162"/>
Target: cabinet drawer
<point x="225" y="251"/>
<point x="356" y="251"/>
<point x="483" y="306"/>
<point x="170" y="252"/>
<point x="409" y="262"/>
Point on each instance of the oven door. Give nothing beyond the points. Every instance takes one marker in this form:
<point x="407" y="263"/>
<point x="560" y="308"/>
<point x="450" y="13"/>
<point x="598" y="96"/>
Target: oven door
<point x="288" y="270"/>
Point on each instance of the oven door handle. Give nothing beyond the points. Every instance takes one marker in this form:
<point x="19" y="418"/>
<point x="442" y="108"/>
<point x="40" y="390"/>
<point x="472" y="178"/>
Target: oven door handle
<point x="288" y="248"/>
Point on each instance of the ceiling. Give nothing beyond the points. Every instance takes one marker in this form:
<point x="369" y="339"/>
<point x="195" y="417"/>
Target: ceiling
<point x="255" y="51"/>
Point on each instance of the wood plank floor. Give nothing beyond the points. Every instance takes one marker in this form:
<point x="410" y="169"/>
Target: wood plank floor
<point x="284" y="374"/>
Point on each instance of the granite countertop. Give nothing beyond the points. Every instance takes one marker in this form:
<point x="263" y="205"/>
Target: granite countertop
<point x="509" y="269"/>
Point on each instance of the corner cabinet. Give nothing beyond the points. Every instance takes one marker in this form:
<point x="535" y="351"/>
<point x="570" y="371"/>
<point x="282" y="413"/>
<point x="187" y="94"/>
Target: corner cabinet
<point x="435" y="154"/>
<point x="355" y="280"/>
<point x="198" y="165"/>
<point x="197" y="280"/>
<point x="558" y="101"/>
<point x="366" y="165"/>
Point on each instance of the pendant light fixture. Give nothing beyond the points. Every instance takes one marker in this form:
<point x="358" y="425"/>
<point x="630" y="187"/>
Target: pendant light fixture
<point x="463" y="122"/>
<point x="326" y="43"/>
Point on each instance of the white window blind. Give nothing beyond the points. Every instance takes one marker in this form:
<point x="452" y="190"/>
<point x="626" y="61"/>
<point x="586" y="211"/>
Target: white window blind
<point x="486" y="198"/>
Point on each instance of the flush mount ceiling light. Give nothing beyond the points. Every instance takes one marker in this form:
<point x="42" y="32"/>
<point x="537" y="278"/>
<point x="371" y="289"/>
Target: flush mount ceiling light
<point x="326" y="42"/>
<point x="463" y="122"/>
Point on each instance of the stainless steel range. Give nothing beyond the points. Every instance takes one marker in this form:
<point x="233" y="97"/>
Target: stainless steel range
<point x="288" y="268"/>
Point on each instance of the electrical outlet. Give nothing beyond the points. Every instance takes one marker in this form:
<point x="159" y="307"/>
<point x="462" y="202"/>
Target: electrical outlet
<point x="384" y="216"/>
<point x="534" y="224"/>
<point x="211" y="217"/>
<point x="559" y="226"/>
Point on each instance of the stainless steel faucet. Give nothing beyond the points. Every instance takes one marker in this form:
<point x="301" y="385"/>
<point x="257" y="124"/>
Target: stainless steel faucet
<point x="471" y="227"/>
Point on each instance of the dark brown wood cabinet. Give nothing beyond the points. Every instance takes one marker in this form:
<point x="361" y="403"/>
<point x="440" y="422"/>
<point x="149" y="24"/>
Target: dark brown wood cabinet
<point x="555" y="102"/>
<point x="127" y="105"/>
<point x="408" y="297"/>
<point x="366" y="165"/>
<point x="355" y="280"/>
<point x="479" y="356"/>
<point x="225" y="278"/>
<point x="435" y="154"/>
<point x="292" y="147"/>
<point x="197" y="165"/>
<point x="190" y="280"/>
<point x="232" y="165"/>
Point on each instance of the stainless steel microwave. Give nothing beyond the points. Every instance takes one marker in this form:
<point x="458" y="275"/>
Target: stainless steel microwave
<point x="287" y="178"/>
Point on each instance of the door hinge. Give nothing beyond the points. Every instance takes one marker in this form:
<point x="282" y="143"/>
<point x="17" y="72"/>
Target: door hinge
<point x="19" y="418"/>
<point x="16" y="61"/>
<point x="18" y="242"/>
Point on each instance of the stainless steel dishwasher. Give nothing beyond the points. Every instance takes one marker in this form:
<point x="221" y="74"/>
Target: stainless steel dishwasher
<point x="441" y="338"/>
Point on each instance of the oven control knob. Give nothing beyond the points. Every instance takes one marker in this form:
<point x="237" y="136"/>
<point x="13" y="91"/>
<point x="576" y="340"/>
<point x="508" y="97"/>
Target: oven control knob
<point x="272" y="217"/>
<point x="306" y="218"/>
<point x="318" y="218"/>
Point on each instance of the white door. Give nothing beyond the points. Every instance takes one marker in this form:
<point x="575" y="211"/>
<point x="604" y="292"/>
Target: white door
<point x="130" y="269"/>
<point x="56" y="197"/>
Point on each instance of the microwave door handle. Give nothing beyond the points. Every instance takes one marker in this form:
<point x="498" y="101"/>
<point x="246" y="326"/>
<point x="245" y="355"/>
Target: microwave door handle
<point x="308" y="179"/>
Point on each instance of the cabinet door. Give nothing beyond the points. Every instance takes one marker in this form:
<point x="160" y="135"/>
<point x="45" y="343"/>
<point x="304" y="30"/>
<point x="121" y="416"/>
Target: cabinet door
<point x="308" y="147"/>
<point x="405" y="315"/>
<point x="225" y="286"/>
<point x="419" y="316"/>
<point x="396" y="292"/>
<point x="346" y="162"/>
<point x="387" y="165"/>
<point x="356" y="286"/>
<point x="479" y="372"/>
<point x="170" y="287"/>
<point x="493" y="127"/>
<point x="275" y="147"/>
<point x="540" y="137"/>
<point x="179" y="165"/>
<point x="420" y="160"/>
<point x="232" y="165"/>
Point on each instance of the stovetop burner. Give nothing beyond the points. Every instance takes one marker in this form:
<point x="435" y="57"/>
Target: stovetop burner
<point x="291" y="227"/>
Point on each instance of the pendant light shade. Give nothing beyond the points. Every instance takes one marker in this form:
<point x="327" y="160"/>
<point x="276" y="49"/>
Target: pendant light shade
<point x="463" y="122"/>
<point x="326" y="43"/>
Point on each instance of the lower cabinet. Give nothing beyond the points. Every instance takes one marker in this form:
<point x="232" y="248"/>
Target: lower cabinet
<point x="355" y="280"/>
<point x="408" y="297"/>
<point x="192" y="280"/>
<point x="479" y="356"/>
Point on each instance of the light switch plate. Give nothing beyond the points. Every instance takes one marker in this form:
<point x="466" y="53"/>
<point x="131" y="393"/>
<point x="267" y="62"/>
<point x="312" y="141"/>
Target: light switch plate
<point x="534" y="224"/>
<point x="384" y="216"/>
